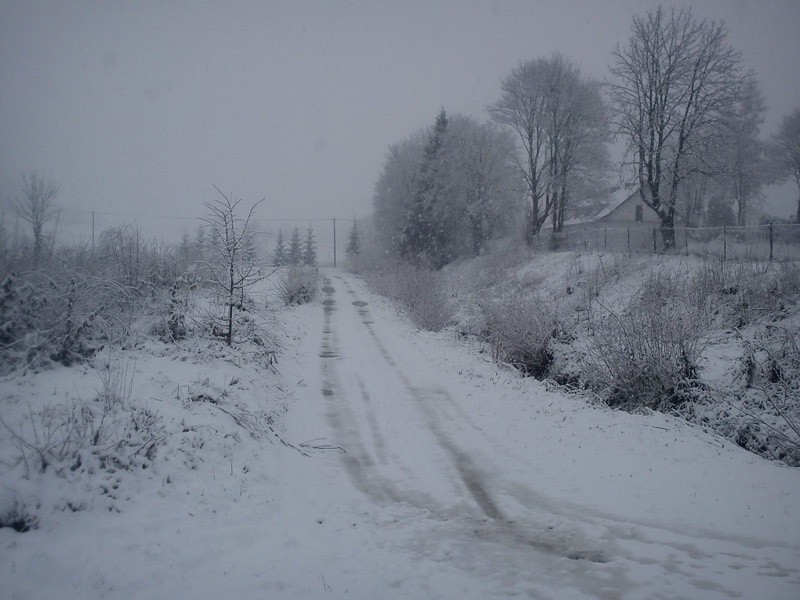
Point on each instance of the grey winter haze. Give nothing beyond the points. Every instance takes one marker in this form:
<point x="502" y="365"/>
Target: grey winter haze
<point x="134" y="109"/>
<point x="555" y="355"/>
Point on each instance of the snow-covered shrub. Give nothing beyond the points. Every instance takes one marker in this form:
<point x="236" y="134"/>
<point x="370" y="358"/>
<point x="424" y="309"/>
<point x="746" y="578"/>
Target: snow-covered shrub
<point x="645" y="354"/>
<point x="520" y="326"/>
<point x="297" y="285"/>
<point x="172" y="327"/>
<point x="589" y="274"/>
<point x="80" y="302"/>
<point x="21" y="306"/>
<point x="419" y="290"/>
<point x="746" y="291"/>
<point x="65" y="316"/>
<point x="770" y="403"/>
<point x="108" y="433"/>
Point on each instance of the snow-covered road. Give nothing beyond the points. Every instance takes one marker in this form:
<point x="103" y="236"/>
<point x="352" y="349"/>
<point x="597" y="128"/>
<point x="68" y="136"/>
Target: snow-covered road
<point x="482" y="506"/>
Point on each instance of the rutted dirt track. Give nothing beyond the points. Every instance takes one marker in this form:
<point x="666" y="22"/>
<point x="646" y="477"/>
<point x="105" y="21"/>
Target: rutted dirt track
<point x="407" y="442"/>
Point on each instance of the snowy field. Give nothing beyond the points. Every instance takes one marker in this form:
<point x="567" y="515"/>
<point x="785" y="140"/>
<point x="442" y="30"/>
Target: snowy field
<point x="413" y="467"/>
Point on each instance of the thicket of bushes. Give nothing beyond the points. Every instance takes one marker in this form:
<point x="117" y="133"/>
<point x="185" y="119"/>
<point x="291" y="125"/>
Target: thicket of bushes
<point x="645" y="345"/>
<point x="647" y="353"/>
<point x="418" y="289"/>
<point x="77" y="303"/>
<point x="519" y="326"/>
<point x="69" y="307"/>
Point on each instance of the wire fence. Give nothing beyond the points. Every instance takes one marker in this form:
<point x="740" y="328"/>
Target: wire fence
<point x="779" y="242"/>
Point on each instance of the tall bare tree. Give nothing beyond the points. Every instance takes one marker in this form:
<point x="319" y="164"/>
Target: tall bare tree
<point x="228" y="265"/>
<point x="523" y="108"/>
<point x="744" y="153"/>
<point x="37" y="208"/>
<point x="556" y="113"/>
<point x="577" y="132"/>
<point x="672" y="83"/>
<point x="787" y="149"/>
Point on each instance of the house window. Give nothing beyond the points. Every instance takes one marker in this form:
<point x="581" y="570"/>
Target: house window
<point x="639" y="213"/>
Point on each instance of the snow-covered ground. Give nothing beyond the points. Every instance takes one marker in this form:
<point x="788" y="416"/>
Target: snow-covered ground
<point x="429" y="472"/>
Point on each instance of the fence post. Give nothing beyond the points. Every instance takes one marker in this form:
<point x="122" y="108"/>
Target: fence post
<point x="770" y="240"/>
<point x="629" y="241"/>
<point x="724" y="242"/>
<point x="654" y="241"/>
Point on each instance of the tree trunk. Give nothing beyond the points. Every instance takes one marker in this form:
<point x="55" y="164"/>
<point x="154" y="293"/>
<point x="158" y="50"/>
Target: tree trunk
<point x="798" y="210"/>
<point x="229" y="334"/>
<point x="477" y="234"/>
<point x="668" y="232"/>
<point x="231" y="297"/>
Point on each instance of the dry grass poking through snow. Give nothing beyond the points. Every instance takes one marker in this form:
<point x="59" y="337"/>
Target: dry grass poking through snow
<point x="297" y="285"/>
<point x="139" y="415"/>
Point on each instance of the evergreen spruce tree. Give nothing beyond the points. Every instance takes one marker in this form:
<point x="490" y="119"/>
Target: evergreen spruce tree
<point x="353" y="241"/>
<point x="249" y="252"/>
<point x="279" y="257"/>
<point x="200" y="243"/>
<point x="295" y="250"/>
<point x="424" y="235"/>
<point x="310" y="249"/>
<point x="185" y="252"/>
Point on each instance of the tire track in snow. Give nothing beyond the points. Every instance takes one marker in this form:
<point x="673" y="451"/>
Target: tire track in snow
<point x="472" y="477"/>
<point x="377" y="436"/>
<point x="358" y="462"/>
<point x="356" y="458"/>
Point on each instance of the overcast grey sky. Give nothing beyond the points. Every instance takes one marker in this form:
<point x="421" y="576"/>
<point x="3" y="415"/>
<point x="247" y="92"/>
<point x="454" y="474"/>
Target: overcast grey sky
<point x="138" y="107"/>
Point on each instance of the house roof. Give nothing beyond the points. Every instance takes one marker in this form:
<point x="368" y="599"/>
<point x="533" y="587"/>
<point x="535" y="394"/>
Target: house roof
<point x="617" y="199"/>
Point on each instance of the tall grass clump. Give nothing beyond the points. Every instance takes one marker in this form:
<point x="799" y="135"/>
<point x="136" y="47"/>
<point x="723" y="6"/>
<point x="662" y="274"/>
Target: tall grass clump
<point x="297" y="285"/>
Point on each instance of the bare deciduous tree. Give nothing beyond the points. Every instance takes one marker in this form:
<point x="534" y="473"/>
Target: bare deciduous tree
<point x="229" y="268"/>
<point x="556" y="113"/>
<point x="743" y="152"/>
<point x="577" y="133"/>
<point x="522" y="107"/>
<point x="673" y="81"/>
<point x="37" y="208"/>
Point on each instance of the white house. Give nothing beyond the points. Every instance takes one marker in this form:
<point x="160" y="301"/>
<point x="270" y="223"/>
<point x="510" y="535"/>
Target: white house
<point x="625" y="209"/>
<point x="624" y="224"/>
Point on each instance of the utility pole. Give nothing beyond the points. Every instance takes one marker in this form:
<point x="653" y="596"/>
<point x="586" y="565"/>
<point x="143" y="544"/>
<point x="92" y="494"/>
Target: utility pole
<point x="334" y="243"/>
<point x="92" y="231"/>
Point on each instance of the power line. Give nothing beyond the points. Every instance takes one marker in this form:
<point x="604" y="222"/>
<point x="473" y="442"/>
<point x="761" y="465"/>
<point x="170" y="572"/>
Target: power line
<point x="181" y="218"/>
